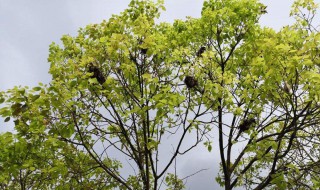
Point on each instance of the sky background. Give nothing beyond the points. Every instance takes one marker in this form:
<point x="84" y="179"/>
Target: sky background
<point x="27" y="28"/>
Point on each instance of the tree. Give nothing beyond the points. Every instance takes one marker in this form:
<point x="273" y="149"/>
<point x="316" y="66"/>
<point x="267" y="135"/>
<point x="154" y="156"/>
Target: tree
<point x="120" y="89"/>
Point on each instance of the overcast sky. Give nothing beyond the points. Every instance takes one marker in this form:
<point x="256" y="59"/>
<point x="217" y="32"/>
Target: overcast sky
<point x="28" y="27"/>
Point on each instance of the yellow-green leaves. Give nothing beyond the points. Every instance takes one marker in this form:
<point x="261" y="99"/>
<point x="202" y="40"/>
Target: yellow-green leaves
<point x="118" y="89"/>
<point x="152" y="144"/>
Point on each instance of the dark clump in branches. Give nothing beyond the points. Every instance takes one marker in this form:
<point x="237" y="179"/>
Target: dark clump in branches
<point x="200" y="51"/>
<point x="96" y="73"/>
<point x="190" y="81"/>
<point x="144" y="51"/>
<point x="246" y="124"/>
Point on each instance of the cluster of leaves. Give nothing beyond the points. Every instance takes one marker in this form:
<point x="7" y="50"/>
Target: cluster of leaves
<point x="122" y="90"/>
<point x="36" y="158"/>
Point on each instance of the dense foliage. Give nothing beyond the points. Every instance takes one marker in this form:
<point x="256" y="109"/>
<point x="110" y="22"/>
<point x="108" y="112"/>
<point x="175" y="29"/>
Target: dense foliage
<point x="122" y="88"/>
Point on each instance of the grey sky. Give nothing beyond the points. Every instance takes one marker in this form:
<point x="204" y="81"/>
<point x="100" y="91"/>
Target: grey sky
<point x="28" y="27"/>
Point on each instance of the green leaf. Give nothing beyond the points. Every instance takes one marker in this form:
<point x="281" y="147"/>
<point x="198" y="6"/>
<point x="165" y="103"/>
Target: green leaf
<point x="209" y="147"/>
<point x="16" y="122"/>
<point x="152" y="144"/>
<point x="37" y="88"/>
<point x="73" y="83"/>
<point x="35" y="97"/>
<point x="22" y="91"/>
<point x="93" y="81"/>
<point x="7" y="119"/>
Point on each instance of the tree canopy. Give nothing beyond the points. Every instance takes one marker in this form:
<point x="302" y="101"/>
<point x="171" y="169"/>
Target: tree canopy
<point x="122" y="88"/>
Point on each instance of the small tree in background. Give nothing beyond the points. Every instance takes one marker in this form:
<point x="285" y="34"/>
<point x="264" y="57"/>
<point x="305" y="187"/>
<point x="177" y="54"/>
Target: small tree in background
<point x="122" y="88"/>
